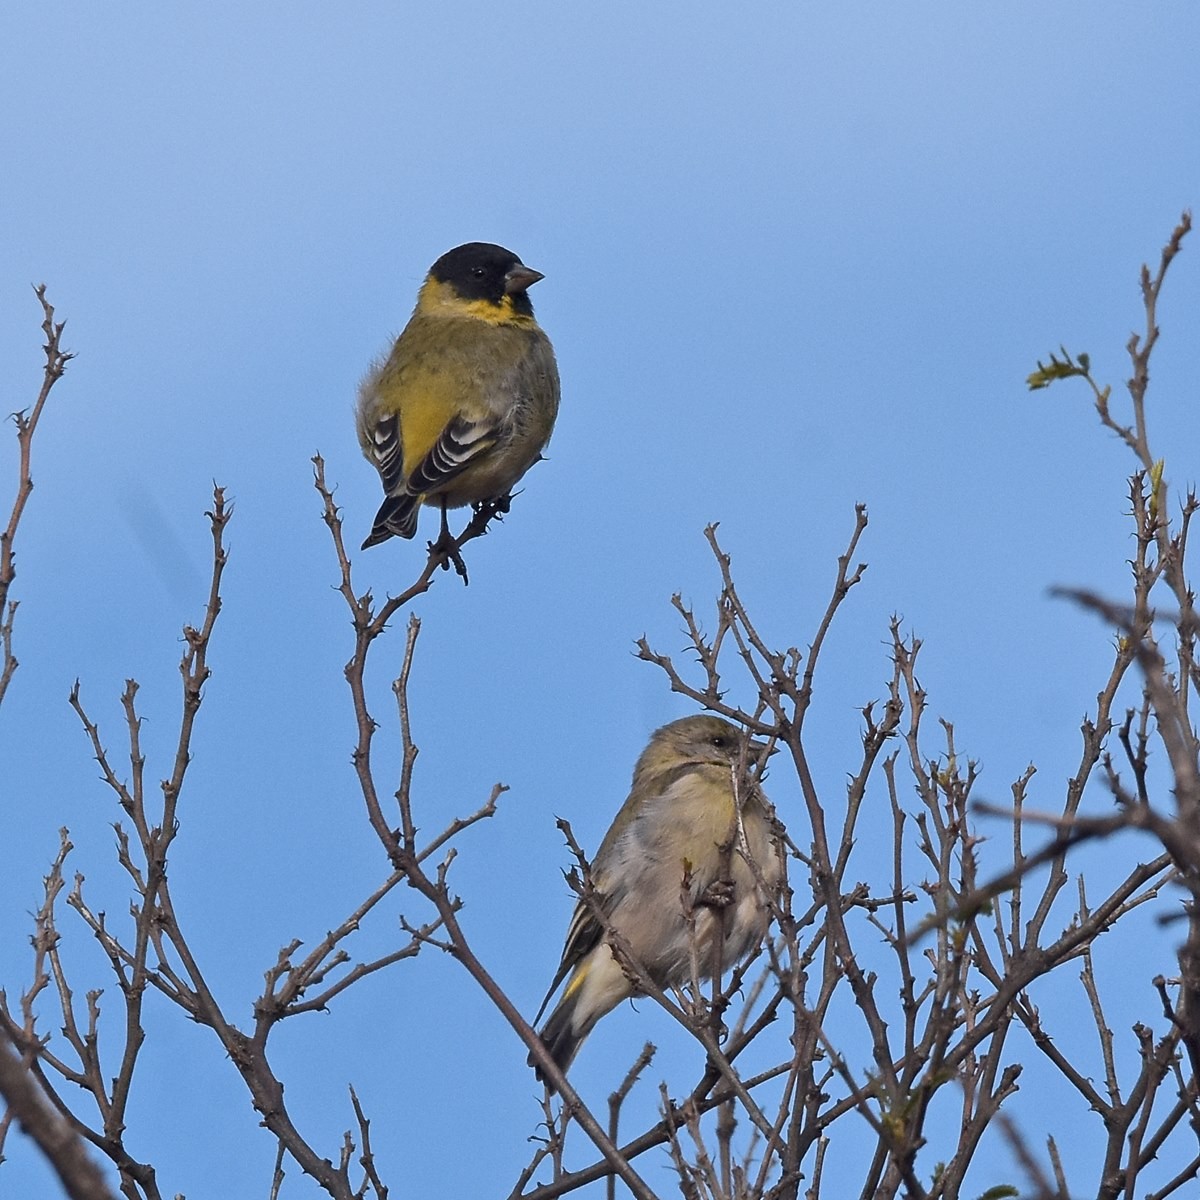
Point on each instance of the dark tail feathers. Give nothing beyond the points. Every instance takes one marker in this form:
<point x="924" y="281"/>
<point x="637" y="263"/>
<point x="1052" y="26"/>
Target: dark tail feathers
<point x="561" y="1039"/>
<point x="397" y="517"/>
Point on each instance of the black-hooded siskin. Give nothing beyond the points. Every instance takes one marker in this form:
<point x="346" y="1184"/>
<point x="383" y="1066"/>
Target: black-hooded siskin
<point x="466" y="401"/>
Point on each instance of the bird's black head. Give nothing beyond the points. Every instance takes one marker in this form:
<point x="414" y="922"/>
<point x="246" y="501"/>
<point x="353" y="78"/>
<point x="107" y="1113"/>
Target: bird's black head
<point x="483" y="271"/>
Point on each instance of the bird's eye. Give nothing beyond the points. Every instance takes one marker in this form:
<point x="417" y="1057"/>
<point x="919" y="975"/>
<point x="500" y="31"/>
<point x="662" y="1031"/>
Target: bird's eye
<point x="720" y="740"/>
<point x="478" y="272"/>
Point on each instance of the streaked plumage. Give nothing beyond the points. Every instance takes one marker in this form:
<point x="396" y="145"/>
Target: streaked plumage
<point x="465" y="402"/>
<point x="680" y="810"/>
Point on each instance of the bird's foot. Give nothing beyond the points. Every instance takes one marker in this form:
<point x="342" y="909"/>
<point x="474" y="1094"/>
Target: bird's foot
<point x="716" y="895"/>
<point x="487" y="511"/>
<point x="446" y="549"/>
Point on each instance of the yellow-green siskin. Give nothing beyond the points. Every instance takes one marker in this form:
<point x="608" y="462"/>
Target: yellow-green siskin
<point x="465" y="402"/>
<point x="681" y="810"/>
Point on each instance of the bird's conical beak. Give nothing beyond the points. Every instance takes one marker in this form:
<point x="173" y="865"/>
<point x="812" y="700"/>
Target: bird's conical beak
<point x="757" y="749"/>
<point x="520" y="278"/>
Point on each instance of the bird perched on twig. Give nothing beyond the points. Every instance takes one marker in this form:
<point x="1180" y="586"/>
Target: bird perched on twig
<point x="465" y="402"/>
<point x="686" y="808"/>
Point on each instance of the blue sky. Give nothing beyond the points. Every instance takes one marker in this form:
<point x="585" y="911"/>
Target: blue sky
<point x="797" y="256"/>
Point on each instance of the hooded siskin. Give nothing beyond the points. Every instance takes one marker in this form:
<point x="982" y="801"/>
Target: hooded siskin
<point x="465" y="402"/>
<point x="679" y="812"/>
